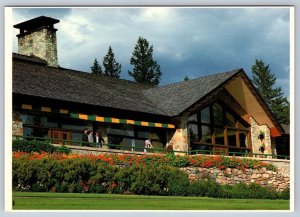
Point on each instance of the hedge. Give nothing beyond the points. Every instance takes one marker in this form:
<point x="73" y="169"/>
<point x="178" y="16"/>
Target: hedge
<point x="24" y="145"/>
<point x="221" y="162"/>
<point x="69" y="174"/>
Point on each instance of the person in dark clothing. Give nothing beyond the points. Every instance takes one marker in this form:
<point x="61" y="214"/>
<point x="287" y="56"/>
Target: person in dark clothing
<point x="99" y="139"/>
<point x="85" y="138"/>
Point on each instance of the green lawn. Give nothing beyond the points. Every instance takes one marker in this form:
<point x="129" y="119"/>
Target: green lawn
<point x="71" y="201"/>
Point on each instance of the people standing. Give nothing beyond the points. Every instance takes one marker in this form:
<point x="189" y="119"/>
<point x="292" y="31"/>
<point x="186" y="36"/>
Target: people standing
<point x="91" y="138"/>
<point x="85" y="137"/>
<point x="99" y="140"/>
<point x="148" y="144"/>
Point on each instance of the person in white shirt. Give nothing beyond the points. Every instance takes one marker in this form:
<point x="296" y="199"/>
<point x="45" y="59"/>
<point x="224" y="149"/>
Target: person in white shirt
<point x="91" y="138"/>
<point x="148" y="144"/>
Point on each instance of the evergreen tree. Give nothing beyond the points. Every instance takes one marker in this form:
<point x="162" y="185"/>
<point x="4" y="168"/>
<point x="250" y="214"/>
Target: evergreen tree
<point x="96" y="68"/>
<point x="264" y="81"/>
<point x="111" y="66"/>
<point x="186" y="78"/>
<point x="146" y="70"/>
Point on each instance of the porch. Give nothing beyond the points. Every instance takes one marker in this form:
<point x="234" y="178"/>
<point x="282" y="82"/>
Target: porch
<point x="80" y="147"/>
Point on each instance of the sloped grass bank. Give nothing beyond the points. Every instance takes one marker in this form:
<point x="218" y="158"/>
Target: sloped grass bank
<point x="79" y="201"/>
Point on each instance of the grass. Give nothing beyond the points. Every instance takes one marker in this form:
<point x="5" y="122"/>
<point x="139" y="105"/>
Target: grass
<point x="77" y="201"/>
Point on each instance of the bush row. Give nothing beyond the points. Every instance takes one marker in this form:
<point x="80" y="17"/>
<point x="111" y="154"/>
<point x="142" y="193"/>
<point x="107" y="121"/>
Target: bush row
<point x="84" y="175"/>
<point x="204" y="161"/>
<point x="24" y="145"/>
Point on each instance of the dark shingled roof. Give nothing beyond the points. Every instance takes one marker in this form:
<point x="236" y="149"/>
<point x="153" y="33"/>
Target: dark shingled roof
<point x="39" y="80"/>
<point x="177" y="97"/>
<point x="32" y="77"/>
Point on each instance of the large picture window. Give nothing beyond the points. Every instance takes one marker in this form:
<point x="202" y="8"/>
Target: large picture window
<point x="217" y="128"/>
<point x="133" y="138"/>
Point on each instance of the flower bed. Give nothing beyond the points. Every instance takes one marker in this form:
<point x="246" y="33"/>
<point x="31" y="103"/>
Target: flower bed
<point x="220" y="162"/>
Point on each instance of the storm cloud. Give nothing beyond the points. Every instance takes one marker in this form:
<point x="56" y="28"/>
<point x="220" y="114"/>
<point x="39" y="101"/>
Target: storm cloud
<point x="191" y="41"/>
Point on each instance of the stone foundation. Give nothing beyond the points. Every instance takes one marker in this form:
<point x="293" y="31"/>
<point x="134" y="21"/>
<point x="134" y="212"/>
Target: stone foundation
<point x="231" y="176"/>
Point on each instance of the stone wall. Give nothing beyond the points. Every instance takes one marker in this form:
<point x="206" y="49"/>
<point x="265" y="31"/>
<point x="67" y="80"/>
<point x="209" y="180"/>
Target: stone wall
<point x="17" y="124"/>
<point x="41" y="43"/>
<point x="256" y="142"/>
<point x="179" y="140"/>
<point x="231" y="176"/>
<point x="279" y="180"/>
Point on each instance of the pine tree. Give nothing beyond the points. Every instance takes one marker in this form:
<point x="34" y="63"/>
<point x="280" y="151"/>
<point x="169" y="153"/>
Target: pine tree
<point x="111" y="66"/>
<point x="264" y="81"/>
<point x="96" y="68"/>
<point x="186" y="78"/>
<point x="146" y="70"/>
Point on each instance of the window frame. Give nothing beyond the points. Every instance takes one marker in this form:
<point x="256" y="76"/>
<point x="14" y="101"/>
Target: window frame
<point x="225" y="126"/>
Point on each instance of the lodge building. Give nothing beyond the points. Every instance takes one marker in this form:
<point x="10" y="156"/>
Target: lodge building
<point x="217" y="114"/>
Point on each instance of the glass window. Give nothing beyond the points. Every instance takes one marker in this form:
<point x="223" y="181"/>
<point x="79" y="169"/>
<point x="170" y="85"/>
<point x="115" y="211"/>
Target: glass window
<point x="114" y="141"/>
<point x="142" y="134"/>
<point x="35" y="132"/>
<point x="219" y="135"/>
<point x="127" y="144"/>
<point x="120" y="132"/>
<point x="193" y="132"/>
<point x="243" y="139"/>
<point x="205" y="115"/>
<point x="218" y="118"/>
<point x="231" y="137"/>
<point x="139" y="145"/>
<point x="230" y="120"/>
<point x="242" y="126"/>
<point x="206" y="134"/>
<point x="218" y="115"/>
<point x="76" y="137"/>
<point x="193" y="118"/>
<point x="37" y="120"/>
<point x="146" y="135"/>
<point x="74" y="127"/>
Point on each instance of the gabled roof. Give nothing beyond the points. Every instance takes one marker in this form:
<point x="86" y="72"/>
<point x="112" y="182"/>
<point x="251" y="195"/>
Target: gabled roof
<point x="177" y="97"/>
<point x="32" y="76"/>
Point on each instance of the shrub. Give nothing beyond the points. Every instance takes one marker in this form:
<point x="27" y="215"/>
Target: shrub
<point x="71" y="173"/>
<point x="252" y="191"/>
<point x="177" y="160"/>
<point x="102" y="178"/>
<point x="241" y="191"/>
<point x="153" y="180"/>
<point x="285" y="194"/>
<point x="62" y="149"/>
<point x="198" y="188"/>
<point x="24" y="145"/>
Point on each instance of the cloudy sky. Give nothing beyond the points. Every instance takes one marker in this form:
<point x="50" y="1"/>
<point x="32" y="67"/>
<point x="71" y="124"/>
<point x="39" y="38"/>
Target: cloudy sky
<point x="191" y="42"/>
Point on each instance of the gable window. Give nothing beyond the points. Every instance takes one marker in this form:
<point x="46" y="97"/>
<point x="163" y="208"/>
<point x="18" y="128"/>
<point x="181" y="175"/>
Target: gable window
<point x="217" y="129"/>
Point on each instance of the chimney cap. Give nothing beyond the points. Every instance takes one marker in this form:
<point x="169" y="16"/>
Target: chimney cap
<point x="36" y="23"/>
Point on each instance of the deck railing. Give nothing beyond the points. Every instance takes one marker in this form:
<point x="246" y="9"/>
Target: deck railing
<point x="124" y="148"/>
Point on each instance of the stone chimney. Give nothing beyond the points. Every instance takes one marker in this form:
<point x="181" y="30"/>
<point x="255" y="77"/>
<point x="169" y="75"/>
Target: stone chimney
<point x="38" y="38"/>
